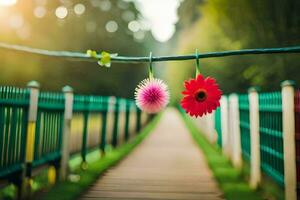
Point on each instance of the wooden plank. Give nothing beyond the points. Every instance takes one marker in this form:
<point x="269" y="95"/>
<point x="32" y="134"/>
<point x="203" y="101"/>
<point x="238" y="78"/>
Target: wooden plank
<point x="157" y="188"/>
<point x="153" y="195"/>
<point x="167" y="165"/>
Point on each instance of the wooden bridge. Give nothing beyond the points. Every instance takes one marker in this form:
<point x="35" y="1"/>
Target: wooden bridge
<point x="261" y="129"/>
<point x="167" y="165"/>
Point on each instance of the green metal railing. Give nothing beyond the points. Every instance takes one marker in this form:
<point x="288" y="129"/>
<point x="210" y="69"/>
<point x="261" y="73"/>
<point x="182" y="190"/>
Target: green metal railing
<point x="114" y="140"/>
<point x="47" y="140"/>
<point x="245" y="125"/>
<point x="14" y="104"/>
<point x="269" y="127"/>
<point x="86" y="106"/>
<point x="218" y="126"/>
<point x="82" y="106"/>
<point x="271" y="141"/>
<point x="138" y="119"/>
<point x="49" y="125"/>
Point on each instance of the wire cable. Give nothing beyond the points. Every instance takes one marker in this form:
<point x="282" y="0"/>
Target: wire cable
<point x="145" y="59"/>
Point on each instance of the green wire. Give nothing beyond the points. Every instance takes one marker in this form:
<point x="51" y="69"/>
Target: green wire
<point x="124" y="59"/>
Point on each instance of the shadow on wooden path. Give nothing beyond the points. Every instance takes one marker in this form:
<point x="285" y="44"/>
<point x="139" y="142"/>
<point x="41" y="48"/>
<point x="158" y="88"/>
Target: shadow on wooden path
<point x="167" y="165"/>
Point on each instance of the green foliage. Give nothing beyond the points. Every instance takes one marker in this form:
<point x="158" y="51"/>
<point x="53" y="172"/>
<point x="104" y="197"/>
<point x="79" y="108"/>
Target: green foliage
<point x="105" y="59"/>
<point x="8" y="192"/>
<point x="218" y="25"/>
<point x="74" y="33"/>
<point x="91" y="53"/>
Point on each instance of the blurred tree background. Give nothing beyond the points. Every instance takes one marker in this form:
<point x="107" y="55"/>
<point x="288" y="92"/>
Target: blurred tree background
<point x="218" y="25"/>
<point x="75" y="25"/>
<point x="116" y="26"/>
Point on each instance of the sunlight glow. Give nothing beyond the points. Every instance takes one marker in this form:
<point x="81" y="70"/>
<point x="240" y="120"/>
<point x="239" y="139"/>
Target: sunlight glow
<point x="7" y="2"/>
<point x="161" y="15"/>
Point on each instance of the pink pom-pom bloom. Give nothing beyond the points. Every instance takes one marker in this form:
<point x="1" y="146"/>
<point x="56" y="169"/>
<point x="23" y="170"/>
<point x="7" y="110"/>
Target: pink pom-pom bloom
<point x="152" y="95"/>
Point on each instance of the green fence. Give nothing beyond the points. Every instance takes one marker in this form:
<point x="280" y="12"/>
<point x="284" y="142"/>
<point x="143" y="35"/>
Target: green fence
<point x="83" y="107"/>
<point x="49" y="126"/>
<point x="270" y="130"/>
<point x="218" y="126"/>
<point x="245" y="125"/>
<point x="14" y="104"/>
<point x="271" y="141"/>
<point x="98" y="121"/>
<point x="108" y="133"/>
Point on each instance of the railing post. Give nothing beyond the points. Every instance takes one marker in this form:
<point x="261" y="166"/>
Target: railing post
<point x="138" y="120"/>
<point x="235" y="130"/>
<point x="68" y="93"/>
<point x="105" y="105"/>
<point x="114" y="141"/>
<point x="255" y="172"/>
<point x="289" y="150"/>
<point x="127" y="118"/>
<point x="84" y="139"/>
<point x="86" y="103"/>
<point x="224" y="126"/>
<point x="30" y="137"/>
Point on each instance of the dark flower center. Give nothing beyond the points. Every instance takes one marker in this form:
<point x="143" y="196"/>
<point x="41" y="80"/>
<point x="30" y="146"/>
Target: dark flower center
<point x="201" y="95"/>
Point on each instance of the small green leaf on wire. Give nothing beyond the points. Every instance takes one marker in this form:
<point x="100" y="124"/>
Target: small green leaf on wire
<point x="91" y="53"/>
<point x="105" y="59"/>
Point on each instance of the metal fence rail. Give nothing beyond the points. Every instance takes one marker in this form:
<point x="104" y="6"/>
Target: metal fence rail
<point x="245" y="125"/>
<point x="14" y="103"/>
<point x="264" y="129"/>
<point x="271" y="141"/>
<point x="49" y="126"/>
<point x="32" y="128"/>
<point x="218" y="126"/>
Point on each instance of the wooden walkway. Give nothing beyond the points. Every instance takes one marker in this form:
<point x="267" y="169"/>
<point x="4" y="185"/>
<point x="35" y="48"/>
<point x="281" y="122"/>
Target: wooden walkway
<point x="167" y="165"/>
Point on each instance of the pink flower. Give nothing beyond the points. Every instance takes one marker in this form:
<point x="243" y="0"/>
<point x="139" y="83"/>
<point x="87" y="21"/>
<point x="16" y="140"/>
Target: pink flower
<point x="152" y="95"/>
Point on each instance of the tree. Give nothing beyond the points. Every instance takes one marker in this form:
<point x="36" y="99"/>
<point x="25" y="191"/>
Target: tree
<point x="226" y="25"/>
<point x="74" y="33"/>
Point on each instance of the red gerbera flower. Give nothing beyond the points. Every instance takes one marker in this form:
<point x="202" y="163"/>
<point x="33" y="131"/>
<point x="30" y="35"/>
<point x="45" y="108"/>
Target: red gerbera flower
<point x="201" y="96"/>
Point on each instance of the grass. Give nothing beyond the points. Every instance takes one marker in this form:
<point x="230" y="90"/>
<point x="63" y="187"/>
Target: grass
<point x="231" y="180"/>
<point x="70" y="190"/>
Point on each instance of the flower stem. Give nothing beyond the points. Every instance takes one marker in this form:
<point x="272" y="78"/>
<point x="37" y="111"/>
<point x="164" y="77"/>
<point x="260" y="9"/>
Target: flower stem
<point x="150" y="69"/>
<point x="197" y="63"/>
<point x="151" y="76"/>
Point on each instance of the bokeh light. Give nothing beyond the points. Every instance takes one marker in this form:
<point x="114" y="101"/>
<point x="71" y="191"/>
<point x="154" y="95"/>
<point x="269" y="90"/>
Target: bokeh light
<point x="79" y="9"/>
<point x="134" y="26"/>
<point x="16" y="21"/>
<point x="111" y="26"/>
<point x="39" y="11"/>
<point x="61" y="12"/>
<point x="7" y="2"/>
<point x="105" y="5"/>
